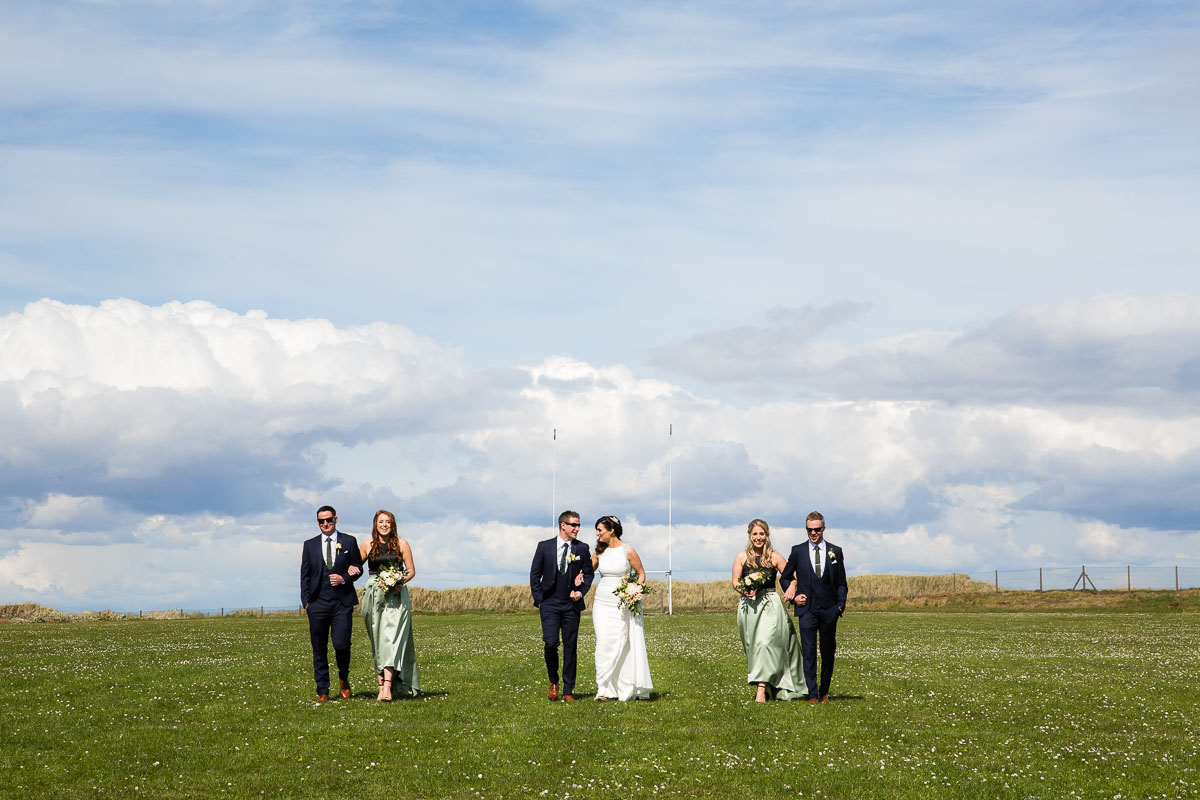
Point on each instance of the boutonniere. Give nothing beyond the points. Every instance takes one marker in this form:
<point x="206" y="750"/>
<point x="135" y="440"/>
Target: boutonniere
<point x="832" y="557"/>
<point x="339" y="547"/>
<point x="572" y="558"/>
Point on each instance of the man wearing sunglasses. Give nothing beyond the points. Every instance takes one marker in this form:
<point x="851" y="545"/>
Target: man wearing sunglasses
<point x="560" y="576"/>
<point x="815" y="581"/>
<point x="329" y="565"/>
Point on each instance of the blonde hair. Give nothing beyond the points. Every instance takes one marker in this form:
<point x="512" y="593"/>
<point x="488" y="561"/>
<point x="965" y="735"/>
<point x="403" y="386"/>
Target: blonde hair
<point x="752" y="560"/>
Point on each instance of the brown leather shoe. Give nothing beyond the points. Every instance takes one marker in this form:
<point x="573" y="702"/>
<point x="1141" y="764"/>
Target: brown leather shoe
<point x="824" y="698"/>
<point x="322" y="698"/>
<point x="812" y="701"/>
<point x="345" y="689"/>
<point x="553" y="693"/>
<point x="568" y="698"/>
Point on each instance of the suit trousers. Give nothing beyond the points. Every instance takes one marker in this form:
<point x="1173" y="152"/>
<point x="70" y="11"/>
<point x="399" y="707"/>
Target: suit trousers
<point x="326" y="617"/>
<point x="560" y="617"/>
<point x="818" y="624"/>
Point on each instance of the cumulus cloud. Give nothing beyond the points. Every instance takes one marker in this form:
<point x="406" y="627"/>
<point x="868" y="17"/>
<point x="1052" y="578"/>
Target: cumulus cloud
<point x="184" y="432"/>
<point x="187" y="407"/>
<point x="1137" y="350"/>
<point x="755" y="353"/>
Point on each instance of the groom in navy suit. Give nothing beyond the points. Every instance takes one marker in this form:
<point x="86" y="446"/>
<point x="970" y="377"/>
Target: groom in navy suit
<point x="815" y="580"/>
<point x="329" y="565"/>
<point x="559" y="578"/>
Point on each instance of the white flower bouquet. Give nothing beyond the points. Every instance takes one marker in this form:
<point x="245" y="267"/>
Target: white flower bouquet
<point x="630" y="593"/>
<point x="754" y="582"/>
<point x="391" y="576"/>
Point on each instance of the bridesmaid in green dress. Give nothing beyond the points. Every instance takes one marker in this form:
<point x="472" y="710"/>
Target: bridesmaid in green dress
<point x="772" y="648"/>
<point x="387" y="612"/>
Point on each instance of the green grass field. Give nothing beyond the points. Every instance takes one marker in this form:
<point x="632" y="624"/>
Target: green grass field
<point x="926" y="704"/>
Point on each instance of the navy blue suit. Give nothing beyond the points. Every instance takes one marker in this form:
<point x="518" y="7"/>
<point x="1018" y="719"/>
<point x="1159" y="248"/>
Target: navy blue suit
<point x="552" y="597"/>
<point x="819" y="616"/>
<point x="330" y="608"/>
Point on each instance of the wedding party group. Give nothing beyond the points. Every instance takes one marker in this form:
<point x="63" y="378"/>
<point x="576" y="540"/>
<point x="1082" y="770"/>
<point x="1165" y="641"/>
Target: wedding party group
<point x="780" y="665"/>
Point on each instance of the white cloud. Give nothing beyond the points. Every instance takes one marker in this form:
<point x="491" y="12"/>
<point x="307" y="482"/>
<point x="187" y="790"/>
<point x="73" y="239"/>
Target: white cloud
<point x="1135" y="350"/>
<point x="187" y="428"/>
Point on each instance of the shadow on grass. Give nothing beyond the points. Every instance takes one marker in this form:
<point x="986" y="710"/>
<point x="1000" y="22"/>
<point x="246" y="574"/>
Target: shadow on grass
<point x="654" y="697"/>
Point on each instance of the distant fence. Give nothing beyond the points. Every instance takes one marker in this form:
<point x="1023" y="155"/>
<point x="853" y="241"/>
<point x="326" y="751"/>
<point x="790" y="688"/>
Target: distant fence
<point x="1099" y="578"/>
<point x="717" y="595"/>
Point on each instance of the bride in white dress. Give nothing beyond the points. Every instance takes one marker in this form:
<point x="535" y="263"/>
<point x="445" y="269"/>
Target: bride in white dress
<point x="622" y="668"/>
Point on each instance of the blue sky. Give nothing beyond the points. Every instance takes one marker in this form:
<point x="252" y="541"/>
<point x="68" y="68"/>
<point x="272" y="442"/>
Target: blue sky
<point x="926" y="267"/>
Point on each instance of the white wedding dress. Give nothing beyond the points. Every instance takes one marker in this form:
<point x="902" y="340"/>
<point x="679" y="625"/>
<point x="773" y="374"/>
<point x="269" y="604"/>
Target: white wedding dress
<point x="622" y="668"/>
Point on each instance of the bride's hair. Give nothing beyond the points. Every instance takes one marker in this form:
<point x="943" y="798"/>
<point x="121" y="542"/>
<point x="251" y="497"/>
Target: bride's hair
<point x="752" y="560"/>
<point x="610" y="524"/>
<point x="377" y="539"/>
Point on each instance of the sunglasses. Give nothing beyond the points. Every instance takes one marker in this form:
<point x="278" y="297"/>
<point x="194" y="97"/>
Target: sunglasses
<point x="326" y="520"/>
<point x="816" y="530"/>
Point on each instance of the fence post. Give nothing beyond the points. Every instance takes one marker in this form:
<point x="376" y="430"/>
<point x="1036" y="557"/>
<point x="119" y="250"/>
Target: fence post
<point x="869" y="584"/>
<point x="953" y="582"/>
<point x="1039" y="579"/>
<point x="222" y="611"/>
<point x="997" y="581"/>
<point x="262" y="611"/>
<point x="1128" y="578"/>
<point x="1177" y="577"/>
<point x="910" y="594"/>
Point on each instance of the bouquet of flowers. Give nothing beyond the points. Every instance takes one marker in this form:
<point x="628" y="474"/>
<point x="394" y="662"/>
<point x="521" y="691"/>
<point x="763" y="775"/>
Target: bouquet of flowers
<point x="630" y="593"/>
<point x="391" y="576"/>
<point x="754" y="581"/>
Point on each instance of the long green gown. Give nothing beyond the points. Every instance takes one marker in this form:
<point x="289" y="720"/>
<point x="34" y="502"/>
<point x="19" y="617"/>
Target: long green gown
<point x="770" y="642"/>
<point x="388" y="617"/>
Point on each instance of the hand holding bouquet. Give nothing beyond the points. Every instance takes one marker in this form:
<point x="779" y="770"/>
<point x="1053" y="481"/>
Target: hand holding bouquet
<point x="752" y="583"/>
<point x="630" y="593"/>
<point x="391" y="576"/>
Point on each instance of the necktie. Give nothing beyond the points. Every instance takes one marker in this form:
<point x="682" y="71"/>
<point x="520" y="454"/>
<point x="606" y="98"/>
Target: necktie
<point x="329" y="552"/>
<point x="817" y="559"/>
<point x="562" y="560"/>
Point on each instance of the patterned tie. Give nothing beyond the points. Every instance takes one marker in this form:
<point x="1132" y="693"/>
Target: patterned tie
<point x="329" y="553"/>
<point x="562" y="560"/>
<point x="817" y="559"/>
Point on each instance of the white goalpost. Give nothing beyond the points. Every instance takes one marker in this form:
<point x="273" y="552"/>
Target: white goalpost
<point x="669" y="571"/>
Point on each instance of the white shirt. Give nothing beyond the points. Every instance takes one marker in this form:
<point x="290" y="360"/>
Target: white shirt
<point x="332" y="544"/>
<point x="820" y="554"/>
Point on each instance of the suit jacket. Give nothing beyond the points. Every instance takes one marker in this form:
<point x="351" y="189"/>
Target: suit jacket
<point x="313" y="573"/>
<point x="833" y="576"/>
<point x="544" y="571"/>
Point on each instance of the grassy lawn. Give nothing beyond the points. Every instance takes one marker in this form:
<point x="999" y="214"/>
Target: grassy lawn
<point x="926" y="704"/>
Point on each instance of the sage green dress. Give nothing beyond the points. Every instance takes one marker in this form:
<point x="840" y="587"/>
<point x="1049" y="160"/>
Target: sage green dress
<point x="770" y="642"/>
<point x="388" y="616"/>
